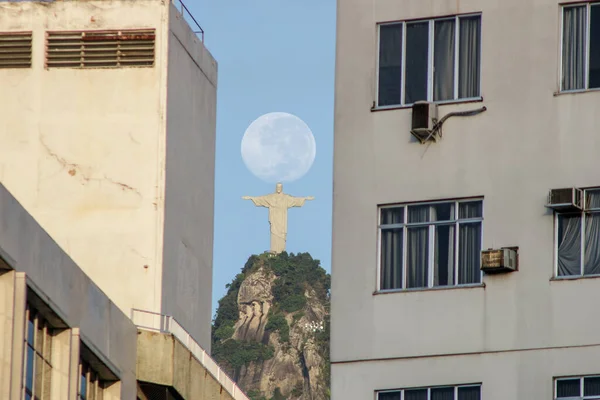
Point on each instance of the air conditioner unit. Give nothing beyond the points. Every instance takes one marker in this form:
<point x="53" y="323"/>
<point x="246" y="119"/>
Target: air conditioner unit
<point x="424" y="118"/>
<point x="568" y="199"/>
<point x="499" y="260"/>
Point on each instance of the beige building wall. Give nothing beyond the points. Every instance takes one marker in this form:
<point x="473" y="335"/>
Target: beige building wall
<point x="35" y="269"/>
<point x="507" y="331"/>
<point x="190" y="171"/>
<point x="85" y="151"/>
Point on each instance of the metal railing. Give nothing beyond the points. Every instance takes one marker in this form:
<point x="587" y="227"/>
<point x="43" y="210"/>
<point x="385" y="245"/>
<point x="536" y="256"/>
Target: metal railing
<point x="156" y="322"/>
<point x="187" y="14"/>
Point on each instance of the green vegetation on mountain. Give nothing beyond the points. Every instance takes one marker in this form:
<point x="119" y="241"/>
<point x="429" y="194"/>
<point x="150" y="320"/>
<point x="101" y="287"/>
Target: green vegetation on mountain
<point x="295" y="291"/>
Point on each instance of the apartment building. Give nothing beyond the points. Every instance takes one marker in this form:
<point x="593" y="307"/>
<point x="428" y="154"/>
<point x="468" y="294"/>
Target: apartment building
<point x="108" y="137"/>
<point x="463" y="126"/>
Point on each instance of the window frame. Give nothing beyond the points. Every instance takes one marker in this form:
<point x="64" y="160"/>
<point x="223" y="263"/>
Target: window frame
<point x="588" y="5"/>
<point x="431" y="227"/>
<point x="428" y="388"/>
<point x="581" y="387"/>
<point x="94" y="383"/>
<point x="581" y="215"/>
<point x="430" y="60"/>
<point x="33" y="315"/>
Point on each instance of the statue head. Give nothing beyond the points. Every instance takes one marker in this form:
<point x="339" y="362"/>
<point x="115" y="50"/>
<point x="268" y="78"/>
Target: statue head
<point x="278" y="188"/>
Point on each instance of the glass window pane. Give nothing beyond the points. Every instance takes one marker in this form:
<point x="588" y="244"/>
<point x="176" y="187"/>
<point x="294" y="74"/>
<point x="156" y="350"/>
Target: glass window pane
<point x="472" y="209"/>
<point x="419" y="394"/>
<point x="591" y="386"/>
<point x="444" y="255"/>
<point x="391" y="258"/>
<point x="573" y="62"/>
<point x="569" y="244"/>
<point x="592" y="199"/>
<point x="388" y="396"/>
<point x="390" y="64"/>
<point x="393" y="215"/>
<point x="592" y="244"/>
<point x="442" y="212"/>
<point x="417" y="257"/>
<point x="417" y="60"/>
<point x="469" y="256"/>
<point x="442" y="393"/>
<point x="83" y="384"/>
<point x="29" y="368"/>
<point x="30" y="329"/>
<point x="469" y="57"/>
<point x="595" y="46"/>
<point x="443" y="60"/>
<point x="568" y="388"/>
<point x="419" y="214"/>
<point x="469" y="393"/>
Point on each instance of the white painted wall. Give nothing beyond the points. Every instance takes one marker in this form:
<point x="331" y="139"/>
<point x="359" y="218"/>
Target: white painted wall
<point x="528" y="142"/>
<point x="190" y="172"/>
<point x="87" y="153"/>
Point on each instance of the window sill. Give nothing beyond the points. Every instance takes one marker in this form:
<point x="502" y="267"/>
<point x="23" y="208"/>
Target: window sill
<point x="439" y="103"/>
<point x="437" y="288"/>
<point x="578" y="91"/>
<point x="573" y="278"/>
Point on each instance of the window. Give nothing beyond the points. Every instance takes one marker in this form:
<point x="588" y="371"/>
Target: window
<point x="37" y="369"/>
<point x="435" y="60"/>
<point x="15" y="50"/>
<point x="93" y="49"/>
<point x="90" y="386"/>
<point x="430" y="244"/>
<point x="587" y="387"/>
<point x="581" y="47"/>
<point x="463" y="392"/>
<point x="578" y="238"/>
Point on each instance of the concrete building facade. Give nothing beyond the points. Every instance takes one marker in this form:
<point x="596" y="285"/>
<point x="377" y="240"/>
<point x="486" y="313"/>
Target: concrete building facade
<point x="410" y="219"/>
<point x="107" y="139"/>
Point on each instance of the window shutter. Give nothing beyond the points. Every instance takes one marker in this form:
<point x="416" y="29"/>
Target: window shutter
<point x="15" y="50"/>
<point x="93" y="49"/>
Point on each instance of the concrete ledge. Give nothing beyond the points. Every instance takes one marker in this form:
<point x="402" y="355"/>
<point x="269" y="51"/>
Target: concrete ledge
<point x="164" y="360"/>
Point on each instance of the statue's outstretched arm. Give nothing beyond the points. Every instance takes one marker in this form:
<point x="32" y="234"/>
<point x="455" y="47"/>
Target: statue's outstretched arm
<point x="260" y="201"/>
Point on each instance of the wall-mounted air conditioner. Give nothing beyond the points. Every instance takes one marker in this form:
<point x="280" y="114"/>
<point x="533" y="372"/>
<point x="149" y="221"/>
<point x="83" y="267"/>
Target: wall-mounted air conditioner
<point x="568" y="199"/>
<point x="499" y="260"/>
<point x="424" y="118"/>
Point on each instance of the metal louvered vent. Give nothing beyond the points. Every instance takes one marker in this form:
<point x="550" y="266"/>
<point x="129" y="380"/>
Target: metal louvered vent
<point x="94" y="49"/>
<point x="15" y="50"/>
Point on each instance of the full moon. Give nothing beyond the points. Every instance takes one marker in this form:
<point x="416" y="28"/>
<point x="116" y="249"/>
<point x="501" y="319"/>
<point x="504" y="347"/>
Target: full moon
<point x="278" y="147"/>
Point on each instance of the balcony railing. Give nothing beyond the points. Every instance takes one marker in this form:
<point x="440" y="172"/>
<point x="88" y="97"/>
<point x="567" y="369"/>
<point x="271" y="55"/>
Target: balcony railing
<point x="187" y="15"/>
<point x="166" y="324"/>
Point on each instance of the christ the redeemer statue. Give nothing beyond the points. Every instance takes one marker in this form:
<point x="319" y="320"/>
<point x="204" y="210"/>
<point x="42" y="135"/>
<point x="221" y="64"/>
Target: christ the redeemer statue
<point x="278" y="204"/>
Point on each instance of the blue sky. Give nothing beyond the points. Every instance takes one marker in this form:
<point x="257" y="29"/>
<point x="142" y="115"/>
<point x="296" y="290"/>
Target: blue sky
<point x="273" y="55"/>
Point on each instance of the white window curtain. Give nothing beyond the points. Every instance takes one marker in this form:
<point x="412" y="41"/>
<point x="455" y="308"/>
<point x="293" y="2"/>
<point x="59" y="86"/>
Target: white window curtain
<point x="469" y="243"/>
<point x="391" y="258"/>
<point x="417" y="248"/>
<point x="592" y="234"/>
<point x="444" y="51"/>
<point x="574" y="45"/>
<point x="469" y="57"/>
<point x="569" y="244"/>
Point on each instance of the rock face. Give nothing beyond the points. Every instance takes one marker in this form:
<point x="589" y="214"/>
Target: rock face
<point x="282" y="304"/>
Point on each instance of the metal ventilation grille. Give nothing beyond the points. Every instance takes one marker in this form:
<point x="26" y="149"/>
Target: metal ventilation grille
<point x="15" y="50"/>
<point x="95" y="49"/>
